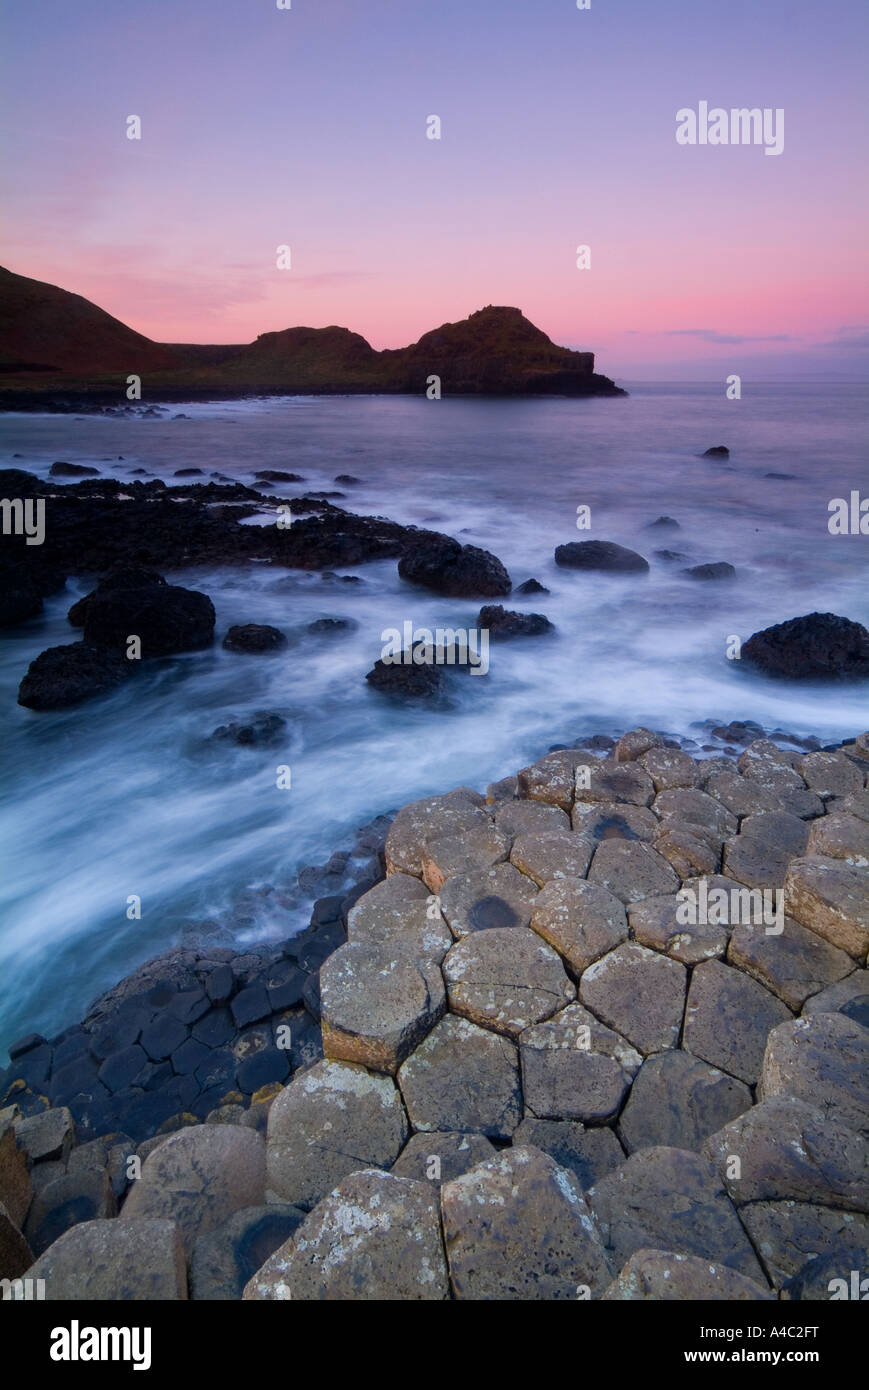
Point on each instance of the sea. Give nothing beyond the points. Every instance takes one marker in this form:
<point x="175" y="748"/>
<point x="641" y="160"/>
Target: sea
<point x="128" y="797"/>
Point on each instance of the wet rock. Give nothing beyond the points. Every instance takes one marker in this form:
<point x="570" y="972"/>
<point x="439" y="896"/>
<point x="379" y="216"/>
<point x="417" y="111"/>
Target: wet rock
<point x="678" y="1101"/>
<point x="463" y="1078"/>
<point x="664" y="1275"/>
<point x="823" y="1060"/>
<point x="199" y="1177"/>
<point x="377" y="1004"/>
<point x="818" y="646"/>
<point x="329" y="1121"/>
<point x="166" y="618"/>
<point x="64" y="676"/>
<point x="505" y="979"/>
<point x="518" y="1227"/>
<point x="224" y="1260"/>
<point x="278" y="475"/>
<point x="265" y="730"/>
<point x="255" y="638"/>
<point x="718" y="451"/>
<point x="131" y="1260"/>
<point x="582" y="920"/>
<point x="531" y="586"/>
<point x="441" y="564"/>
<point x="728" y="1018"/>
<point x="639" y="993"/>
<point x="375" y="1237"/>
<point x="600" y="555"/>
<point x="502" y="624"/>
<point x="670" y="1199"/>
<point x="488" y="898"/>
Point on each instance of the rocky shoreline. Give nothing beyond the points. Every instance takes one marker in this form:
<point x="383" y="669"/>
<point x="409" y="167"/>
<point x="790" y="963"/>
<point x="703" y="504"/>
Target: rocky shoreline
<point x="502" y="1065"/>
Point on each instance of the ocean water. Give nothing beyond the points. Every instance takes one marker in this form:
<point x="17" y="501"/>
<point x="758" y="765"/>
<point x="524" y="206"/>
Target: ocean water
<point x="128" y="795"/>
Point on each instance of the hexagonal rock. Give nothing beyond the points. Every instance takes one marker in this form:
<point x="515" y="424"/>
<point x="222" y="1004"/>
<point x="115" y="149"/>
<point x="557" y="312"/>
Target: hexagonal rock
<point x="830" y="774"/>
<point x="841" y="836"/>
<point x="663" y="1198"/>
<point x="552" y="779"/>
<point x="831" y="899"/>
<point x="678" y="1101"/>
<point x="788" y="1234"/>
<point x="587" y="1153"/>
<point x="48" y="1135"/>
<point x="639" y="993"/>
<point x="70" y="1198"/>
<point x="611" y="781"/>
<point x="669" y="768"/>
<point x="782" y="830"/>
<point x="463" y="1078"/>
<point x="199" y="1177"/>
<point x="615" y="820"/>
<point x="689" y="851"/>
<point x="794" y="964"/>
<point x="728" y="1019"/>
<point x="514" y="818"/>
<point x="582" y="920"/>
<point x="655" y="923"/>
<point x="632" y="870"/>
<point x="762" y="761"/>
<point x="696" y="811"/>
<point x="139" y="1259"/>
<point x="552" y="854"/>
<point x="439" y="1157"/>
<point x="569" y="1070"/>
<point x="839" y="996"/>
<point x="824" y="1061"/>
<point x="518" y="1227"/>
<point x="461" y="854"/>
<point x="753" y="862"/>
<point x="224" y="1260"/>
<point x="496" y="897"/>
<point x="635" y="743"/>
<point x="331" y="1120"/>
<point x="375" y="1237"/>
<point x="789" y="1150"/>
<point x="741" y="795"/>
<point x="377" y="1004"/>
<point x="397" y="911"/>
<point x="505" y="979"/>
<point x="855" y="804"/>
<point x="664" y="1276"/>
<point x="428" y="819"/>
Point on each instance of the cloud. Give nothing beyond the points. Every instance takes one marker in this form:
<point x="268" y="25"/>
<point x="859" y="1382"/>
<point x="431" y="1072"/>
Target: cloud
<point x="710" y="335"/>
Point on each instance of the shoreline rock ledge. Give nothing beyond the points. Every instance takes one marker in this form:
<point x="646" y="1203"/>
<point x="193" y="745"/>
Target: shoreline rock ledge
<point x="536" y="1066"/>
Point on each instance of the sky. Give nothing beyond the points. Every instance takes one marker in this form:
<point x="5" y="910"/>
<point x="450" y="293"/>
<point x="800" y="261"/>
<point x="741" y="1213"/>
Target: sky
<point x="307" y="127"/>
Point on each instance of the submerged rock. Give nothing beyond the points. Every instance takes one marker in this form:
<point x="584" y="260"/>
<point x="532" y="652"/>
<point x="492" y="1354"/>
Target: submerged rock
<point x="719" y="570"/>
<point x="600" y="555"/>
<point x="817" y="646"/>
<point x="64" y="676"/>
<point x="718" y="451"/>
<point x="255" y="638"/>
<point x="501" y="622"/>
<point x="457" y="571"/>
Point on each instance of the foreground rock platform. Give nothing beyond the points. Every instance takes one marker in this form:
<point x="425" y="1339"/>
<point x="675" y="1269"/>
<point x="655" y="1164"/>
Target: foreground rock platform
<point x="600" y="1033"/>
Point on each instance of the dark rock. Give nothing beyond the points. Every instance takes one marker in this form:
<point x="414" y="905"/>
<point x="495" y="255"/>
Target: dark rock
<point x="188" y="1005"/>
<point x="76" y="1077"/>
<point x="119" y="577"/>
<point x="255" y="638"/>
<point x="81" y="1196"/>
<point x="671" y="556"/>
<point x="219" y="985"/>
<point x="329" y="627"/>
<point x="64" y="676"/>
<point x="121" y="1069"/>
<point x="719" y="570"/>
<point x="600" y="555"/>
<point x="217" y="1071"/>
<point x="215" y="1028"/>
<point x="818" y="646"/>
<point x="276" y="475"/>
<point x="250" y="1005"/>
<point x="531" y="586"/>
<point x="163" y="1037"/>
<point x="347" y="479"/>
<point x="168" y="619"/>
<point x="663" y="523"/>
<point x="25" y="1044"/>
<point x="224" y="1260"/>
<point x="503" y="623"/>
<point x="272" y="1064"/>
<point x="445" y="566"/>
<point x="822" y="1277"/>
<point x="285" y="983"/>
<point x="718" y="451"/>
<point x="72" y="470"/>
<point x="414" y="681"/>
<point x="264" y="731"/>
<point x="188" y="472"/>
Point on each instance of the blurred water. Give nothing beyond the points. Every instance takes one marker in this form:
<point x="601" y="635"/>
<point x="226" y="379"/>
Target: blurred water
<point x="126" y="795"/>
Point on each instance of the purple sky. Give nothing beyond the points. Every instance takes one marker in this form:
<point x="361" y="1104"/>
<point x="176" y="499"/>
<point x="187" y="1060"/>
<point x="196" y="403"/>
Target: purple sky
<point x="307" y="127"/>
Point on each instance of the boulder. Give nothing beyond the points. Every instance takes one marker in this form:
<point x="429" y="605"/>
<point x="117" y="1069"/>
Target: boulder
<point x="445" y="566"/>
<point x="46" y="1136"/>
<point x="414" y="681"/>
<point x="718" y="570"/>
<point x="518" y="1228"/>
<point x="439" y="1157"/>
<point x="718" y="451"/>
<point x="167" y="619"/>
<point x="600" y="555"/>
<point x="331" y="1120"/>
<point x="501" y="623"/>
<point x="255" y="638"/>
<point x="422" y="821"/>
<point x="829" y="897"/>
<point x="64" y="676"/>
<point x="587" y="1153"/>
<point x="817" y="646"/>
<point x="551" y="780"/>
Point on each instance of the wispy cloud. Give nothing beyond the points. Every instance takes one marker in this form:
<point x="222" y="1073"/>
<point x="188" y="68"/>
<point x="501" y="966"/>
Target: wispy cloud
<point x="711" y="335"/>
